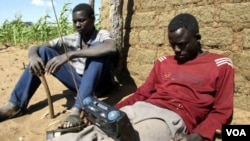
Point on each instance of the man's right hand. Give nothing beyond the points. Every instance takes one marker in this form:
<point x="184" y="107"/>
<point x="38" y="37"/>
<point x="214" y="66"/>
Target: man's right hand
<point x="36" y="65"/>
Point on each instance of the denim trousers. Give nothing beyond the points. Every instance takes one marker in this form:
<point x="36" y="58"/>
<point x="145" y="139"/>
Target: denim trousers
<point x="97" y="78"/>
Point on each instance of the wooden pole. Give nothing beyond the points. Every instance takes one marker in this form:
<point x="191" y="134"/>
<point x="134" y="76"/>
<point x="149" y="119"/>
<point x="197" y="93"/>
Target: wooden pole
<point x="92" y="3"/>
<point x="45" y="84"/>
<point x="116" y="30"/>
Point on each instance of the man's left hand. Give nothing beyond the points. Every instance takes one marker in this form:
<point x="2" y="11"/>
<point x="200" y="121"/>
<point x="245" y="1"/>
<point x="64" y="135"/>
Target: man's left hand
<point x="55" y="63"/>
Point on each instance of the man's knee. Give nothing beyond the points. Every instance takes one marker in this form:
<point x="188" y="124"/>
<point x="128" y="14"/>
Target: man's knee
<point x="147" y="130"/>
<point x="43" y="49"/>
<point x="96" y="63"/>
<point x="46" y="53"/>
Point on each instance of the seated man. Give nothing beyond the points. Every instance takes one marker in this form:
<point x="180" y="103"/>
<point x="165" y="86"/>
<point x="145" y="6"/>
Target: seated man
<point x="89" y="53"/>
<point x="186" y="96"/>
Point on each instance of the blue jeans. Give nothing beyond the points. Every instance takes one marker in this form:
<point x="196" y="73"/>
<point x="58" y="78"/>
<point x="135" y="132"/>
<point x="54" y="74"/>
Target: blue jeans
<point x="96" y="79"/>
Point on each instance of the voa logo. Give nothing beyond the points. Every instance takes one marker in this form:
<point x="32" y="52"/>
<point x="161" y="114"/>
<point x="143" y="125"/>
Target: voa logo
<point x="236" y="132"/>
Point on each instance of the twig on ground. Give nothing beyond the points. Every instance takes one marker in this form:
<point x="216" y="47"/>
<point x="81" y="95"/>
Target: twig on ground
<point x="44" y="115"/>
<point x="54" y="122"/>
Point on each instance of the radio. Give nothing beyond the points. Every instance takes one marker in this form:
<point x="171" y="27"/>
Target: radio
<point x="110" y="120"/>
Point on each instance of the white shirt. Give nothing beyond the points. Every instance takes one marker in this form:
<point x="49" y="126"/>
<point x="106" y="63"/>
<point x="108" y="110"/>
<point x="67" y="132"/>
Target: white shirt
<point x="72" y="43"/>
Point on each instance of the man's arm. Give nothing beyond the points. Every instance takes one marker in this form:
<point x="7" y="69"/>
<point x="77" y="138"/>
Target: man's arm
<point x="33" y="51"/>
<point x="37" y="65"/>
<point x="107" y="47"/>
<point x="222" y="109"/>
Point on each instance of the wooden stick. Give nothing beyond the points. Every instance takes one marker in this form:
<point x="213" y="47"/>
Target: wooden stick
<point x="45" y="84"/>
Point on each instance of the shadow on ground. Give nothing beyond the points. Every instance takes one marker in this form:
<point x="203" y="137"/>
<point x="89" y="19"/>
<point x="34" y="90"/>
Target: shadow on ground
<point x="68" y="94"/>
<point x="118" y="93"/>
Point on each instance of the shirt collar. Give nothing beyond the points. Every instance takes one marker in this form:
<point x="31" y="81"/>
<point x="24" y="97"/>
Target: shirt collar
<point x="90" y="41"/>
<point x="93" y="37"/>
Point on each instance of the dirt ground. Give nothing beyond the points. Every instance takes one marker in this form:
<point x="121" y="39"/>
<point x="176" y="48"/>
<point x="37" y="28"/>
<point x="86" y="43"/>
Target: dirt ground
<point x="34" y="124"/>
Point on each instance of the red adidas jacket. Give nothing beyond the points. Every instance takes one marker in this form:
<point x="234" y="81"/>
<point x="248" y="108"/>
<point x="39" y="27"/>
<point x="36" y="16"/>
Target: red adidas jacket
<point x="201" y="91"/>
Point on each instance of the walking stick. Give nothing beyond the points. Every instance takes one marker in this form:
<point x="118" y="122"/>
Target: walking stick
<point x="45" y="84"/>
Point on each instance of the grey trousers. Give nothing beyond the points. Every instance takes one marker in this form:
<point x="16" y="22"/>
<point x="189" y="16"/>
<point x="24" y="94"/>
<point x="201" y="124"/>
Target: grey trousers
<point x="152" y="123"/>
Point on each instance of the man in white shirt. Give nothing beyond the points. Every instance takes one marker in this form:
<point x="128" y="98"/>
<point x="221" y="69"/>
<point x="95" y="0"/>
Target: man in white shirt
<point x="88" y="53"/>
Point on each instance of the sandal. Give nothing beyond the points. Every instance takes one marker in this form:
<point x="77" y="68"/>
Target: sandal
<point x="60" y="131"/>
<point x="9" y="111"/>
<point x="76" y="122"/>
<point x="77" y="125"/>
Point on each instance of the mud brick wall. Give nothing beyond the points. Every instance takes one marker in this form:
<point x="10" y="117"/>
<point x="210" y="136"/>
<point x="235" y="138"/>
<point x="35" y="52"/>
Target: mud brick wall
<point x="224" y="26"/>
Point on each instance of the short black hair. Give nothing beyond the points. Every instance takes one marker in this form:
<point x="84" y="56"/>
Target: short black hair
<point x="184" y="20"/>
<point x="85" y="7"/>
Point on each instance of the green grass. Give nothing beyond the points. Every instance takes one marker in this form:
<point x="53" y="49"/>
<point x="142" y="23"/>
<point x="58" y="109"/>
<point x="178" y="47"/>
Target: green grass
<point x="17" y="32"/>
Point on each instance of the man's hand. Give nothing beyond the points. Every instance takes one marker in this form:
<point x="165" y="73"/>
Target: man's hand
<point x="190" y="137"/>
<point x="36" y="65"/>
<point x="55" y="63"/>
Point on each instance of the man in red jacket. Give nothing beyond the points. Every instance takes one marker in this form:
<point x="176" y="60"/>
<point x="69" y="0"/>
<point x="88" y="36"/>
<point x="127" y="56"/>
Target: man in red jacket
<point x="194" y="86"/>
<point x="186" y="97"/>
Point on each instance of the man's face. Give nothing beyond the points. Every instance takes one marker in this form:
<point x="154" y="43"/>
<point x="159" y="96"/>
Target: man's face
<point x="82" y="23"/>
<point x="184" y="44"/>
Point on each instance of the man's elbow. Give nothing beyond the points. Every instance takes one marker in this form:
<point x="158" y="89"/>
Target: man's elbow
<point x="112" y="49"/>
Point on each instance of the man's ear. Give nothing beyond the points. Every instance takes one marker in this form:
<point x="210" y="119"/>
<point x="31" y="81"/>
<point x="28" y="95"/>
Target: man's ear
<point x="197" y="36"/>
